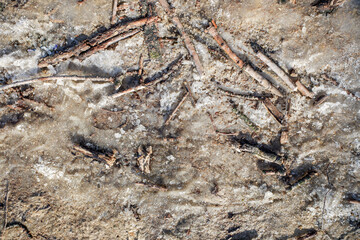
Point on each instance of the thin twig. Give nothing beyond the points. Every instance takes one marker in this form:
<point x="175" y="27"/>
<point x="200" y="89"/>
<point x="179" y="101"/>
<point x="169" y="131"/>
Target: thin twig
<point x="172" y="115"/>
<point x="165" y="72"/>
<point x="246" y="95"/>
<point x="107" y="43"/>
<point x="114" y="10"/>
<point x="55" y="78"/>
<point x="276" y="69"/>
<point x="188" y="43"/>
<point x="137" y="88"/>
<point x="6" y="208"/>
<point x="87" y="44"/>
<point x="264" y="82"/>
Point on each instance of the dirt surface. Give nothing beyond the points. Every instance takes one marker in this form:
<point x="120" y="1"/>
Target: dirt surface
<point x="78" y="164"/>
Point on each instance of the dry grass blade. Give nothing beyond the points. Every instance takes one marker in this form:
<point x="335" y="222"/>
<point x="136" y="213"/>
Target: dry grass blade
<point x="55" y="78"/>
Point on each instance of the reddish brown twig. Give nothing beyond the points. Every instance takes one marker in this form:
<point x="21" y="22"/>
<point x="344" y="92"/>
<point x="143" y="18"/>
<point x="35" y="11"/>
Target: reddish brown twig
<point x="172" y="115"/>
<point x="55" y="78"/>
<point x="265" y="83"/>
<point x="87" y="44"/>
<point x="107" y="43"/>
<point x="188" y="43"/>
<point x="272" y="109"/>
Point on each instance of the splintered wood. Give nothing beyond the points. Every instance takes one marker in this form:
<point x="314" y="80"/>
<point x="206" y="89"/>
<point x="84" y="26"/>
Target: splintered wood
<point x="106" y="158"/>
<point x="264" y="82"/>
<point x="188" y="43"/>
<point x="87" y="45"/>
<point x="144" y="158"/>
<point x="55" y="78"/>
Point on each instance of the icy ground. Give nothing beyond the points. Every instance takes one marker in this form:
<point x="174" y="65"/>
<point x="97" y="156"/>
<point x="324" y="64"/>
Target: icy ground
<point x="199" y="186"/>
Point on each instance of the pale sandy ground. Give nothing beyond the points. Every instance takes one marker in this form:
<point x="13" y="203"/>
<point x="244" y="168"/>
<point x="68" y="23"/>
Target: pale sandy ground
<point x="210" y="190"/>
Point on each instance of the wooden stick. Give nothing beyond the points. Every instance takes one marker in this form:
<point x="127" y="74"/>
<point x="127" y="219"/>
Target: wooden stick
<point x="55" y="78"/>
<point x="276" y="69"/>
<point x="188" y="43"/>
<point x="272" y="109"/>
<point x="303" y="90"/>
<point x="107" y="43"/>
<point x="172" y="115"/>
<point x="114" y="10"/>
<point x="137" y="88"/>
<point x="87" y="44"/>
<point x="265" y="83"/>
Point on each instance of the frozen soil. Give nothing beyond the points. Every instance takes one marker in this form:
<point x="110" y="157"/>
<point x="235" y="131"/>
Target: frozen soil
<point x="199" y="186"/>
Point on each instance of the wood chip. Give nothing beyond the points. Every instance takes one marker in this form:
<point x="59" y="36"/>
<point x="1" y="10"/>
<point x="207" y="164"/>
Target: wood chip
<point x="144" y="159"/>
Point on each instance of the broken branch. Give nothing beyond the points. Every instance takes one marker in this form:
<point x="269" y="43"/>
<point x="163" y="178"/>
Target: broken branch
<point x="87" y="44"/>
<point x="177" y="108"/>
<point x="265" y="83"/>
<point x="55" y="78"/>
